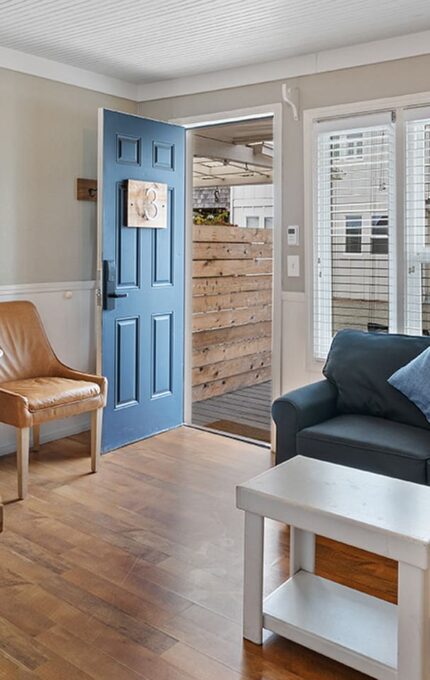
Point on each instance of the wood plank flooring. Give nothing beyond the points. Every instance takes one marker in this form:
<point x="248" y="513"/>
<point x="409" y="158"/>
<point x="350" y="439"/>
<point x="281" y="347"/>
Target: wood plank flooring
<point x="249" y="406"/>
<point x="136" y="572"/>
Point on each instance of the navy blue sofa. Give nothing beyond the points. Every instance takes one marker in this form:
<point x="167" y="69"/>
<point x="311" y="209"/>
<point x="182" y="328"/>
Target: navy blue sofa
<point x="354" y="416"/>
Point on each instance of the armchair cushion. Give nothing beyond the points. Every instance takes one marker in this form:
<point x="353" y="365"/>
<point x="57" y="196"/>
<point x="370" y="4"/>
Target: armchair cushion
<point x="369" y="443"/>
<point x="48" y="392"/>
<point x="35" y="400"/>
<point x="359" y="364"/>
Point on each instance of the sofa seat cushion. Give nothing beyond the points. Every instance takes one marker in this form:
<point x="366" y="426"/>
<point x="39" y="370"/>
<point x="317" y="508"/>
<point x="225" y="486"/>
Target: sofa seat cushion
<point x="369" y="443"/>
<point x="51" y="392"/>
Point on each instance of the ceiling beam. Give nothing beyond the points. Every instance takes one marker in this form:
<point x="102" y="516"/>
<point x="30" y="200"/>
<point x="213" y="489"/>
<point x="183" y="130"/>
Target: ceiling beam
<point x="262" y="136"/>
<point x="211" y="148"/>
<point x="231" y="181"/>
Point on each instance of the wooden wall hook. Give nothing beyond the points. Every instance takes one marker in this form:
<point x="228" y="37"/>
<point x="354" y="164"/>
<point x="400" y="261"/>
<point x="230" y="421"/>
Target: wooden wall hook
<point x="86" y="189"/>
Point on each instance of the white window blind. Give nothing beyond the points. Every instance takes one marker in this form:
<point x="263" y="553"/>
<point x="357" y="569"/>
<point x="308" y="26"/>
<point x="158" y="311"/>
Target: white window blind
<point x="417" y="224"/>
<point x="354" y="244"/>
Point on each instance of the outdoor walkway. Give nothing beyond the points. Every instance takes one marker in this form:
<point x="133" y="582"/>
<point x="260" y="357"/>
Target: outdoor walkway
<point x="245" y="412"/>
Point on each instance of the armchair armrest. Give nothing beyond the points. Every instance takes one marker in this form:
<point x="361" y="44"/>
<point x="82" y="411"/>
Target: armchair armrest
<point x="298" y="409"/>
<point x="100" y="380"/>
<point x="14" y="409"/>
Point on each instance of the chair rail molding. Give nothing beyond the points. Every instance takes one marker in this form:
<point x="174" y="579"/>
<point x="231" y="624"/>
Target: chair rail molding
<point x="31" y="288"/>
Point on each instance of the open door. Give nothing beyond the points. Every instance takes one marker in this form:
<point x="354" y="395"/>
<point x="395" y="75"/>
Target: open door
<point x="142" y="328"/>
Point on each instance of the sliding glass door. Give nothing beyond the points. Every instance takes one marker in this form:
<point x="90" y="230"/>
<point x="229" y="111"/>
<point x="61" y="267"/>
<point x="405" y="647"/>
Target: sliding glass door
<point x="354" y="227"/>
<point x="417" y="222"/>
<point x="371" y="225"/>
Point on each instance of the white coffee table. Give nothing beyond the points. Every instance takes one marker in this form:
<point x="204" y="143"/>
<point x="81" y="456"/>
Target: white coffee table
<point x="385" y="516"/>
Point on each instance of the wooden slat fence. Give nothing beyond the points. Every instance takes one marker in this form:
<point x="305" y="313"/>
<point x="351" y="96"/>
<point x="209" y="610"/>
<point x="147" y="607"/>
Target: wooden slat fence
<point x="232" y="308"/>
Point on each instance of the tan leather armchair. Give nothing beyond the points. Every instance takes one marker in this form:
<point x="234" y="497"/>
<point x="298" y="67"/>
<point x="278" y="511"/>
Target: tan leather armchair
<point x="36" y="387"/>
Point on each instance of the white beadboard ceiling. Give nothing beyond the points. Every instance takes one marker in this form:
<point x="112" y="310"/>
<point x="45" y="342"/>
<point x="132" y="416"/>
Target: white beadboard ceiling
<point x="143" y="42"/>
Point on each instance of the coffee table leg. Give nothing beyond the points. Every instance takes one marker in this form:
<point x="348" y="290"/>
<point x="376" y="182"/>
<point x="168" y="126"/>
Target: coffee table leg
<point x="302" y="551"/>
<point x="253" y="578"/>
<point x="414" y="623"/>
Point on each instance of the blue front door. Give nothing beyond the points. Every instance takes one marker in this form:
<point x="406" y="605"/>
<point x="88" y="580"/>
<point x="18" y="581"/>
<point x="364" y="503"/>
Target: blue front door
<point x="143" y="281"/>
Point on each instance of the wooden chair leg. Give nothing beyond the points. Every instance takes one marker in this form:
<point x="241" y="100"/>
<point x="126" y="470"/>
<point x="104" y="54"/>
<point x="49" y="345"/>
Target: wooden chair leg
<point x="36" y="437"/>
<point x="96" y="438"/>
<point x="22" y="456"/>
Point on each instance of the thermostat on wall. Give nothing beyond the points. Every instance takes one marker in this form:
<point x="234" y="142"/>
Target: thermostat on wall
<point x="293" y="235"/>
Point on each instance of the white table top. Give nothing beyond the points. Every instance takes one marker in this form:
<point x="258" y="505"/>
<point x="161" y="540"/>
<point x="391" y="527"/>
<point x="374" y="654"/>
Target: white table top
<point x="359" y="499"/>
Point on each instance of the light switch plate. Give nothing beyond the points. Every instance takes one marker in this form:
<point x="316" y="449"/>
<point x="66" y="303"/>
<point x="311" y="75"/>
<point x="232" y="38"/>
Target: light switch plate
<point x="293" y="265"/>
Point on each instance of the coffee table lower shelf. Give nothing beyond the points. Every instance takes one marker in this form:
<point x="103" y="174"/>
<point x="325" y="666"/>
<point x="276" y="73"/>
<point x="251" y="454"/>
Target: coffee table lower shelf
<point x="353" y="628"/>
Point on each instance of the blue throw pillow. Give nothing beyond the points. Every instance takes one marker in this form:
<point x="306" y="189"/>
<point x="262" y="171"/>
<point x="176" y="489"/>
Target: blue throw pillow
<point x="413" y="380"/>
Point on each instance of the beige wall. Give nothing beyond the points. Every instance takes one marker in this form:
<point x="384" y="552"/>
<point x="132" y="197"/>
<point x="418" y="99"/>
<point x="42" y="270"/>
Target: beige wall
<point x="405" y="76"/>
<point x="48" y="138"/>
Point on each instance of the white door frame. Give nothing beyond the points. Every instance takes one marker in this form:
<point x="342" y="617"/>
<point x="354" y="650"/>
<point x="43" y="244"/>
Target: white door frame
<point x="236" y="115"/>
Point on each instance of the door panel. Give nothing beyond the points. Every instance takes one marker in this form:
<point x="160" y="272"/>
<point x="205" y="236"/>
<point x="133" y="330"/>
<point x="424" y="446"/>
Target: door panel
<point x="143" y="316"/>
<point x="127" y="361"/>
<point x="162" y="249"/>
<point x="162" y="350"/>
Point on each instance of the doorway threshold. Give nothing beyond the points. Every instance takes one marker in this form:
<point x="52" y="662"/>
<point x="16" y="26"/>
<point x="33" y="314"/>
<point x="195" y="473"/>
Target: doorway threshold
<point x="228" y="435"/>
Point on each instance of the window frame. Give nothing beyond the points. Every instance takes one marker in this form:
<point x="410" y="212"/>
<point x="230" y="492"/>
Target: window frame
<point x="252" y="217"/>
<point x="320" y="271"/>
<point x="353" y="140"/>
<point x="374" y="238"/>
<point x="413" y="321"/>
<point x="403" y="108"/>
<point x="359" y="236"/>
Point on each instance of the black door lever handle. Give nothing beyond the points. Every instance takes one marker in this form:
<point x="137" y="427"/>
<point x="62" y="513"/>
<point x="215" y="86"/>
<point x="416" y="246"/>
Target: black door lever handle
<point x="109" y="286"/>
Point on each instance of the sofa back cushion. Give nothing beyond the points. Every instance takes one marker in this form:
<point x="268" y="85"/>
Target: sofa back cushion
<point x="359" y="365"/>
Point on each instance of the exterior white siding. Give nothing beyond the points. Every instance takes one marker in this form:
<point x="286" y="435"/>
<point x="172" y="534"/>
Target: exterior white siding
<point x="252" y="206"/>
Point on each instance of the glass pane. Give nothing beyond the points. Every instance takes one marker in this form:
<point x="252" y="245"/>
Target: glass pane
<point x="353" y="233"/>
<point x="417" y="237"/>
<point x="353" y="277"/>
<point x="252" y="221"/>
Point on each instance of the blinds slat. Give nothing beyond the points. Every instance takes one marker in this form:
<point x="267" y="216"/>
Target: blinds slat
<point x="417" y="236"/>
<point x="354" y="228"/>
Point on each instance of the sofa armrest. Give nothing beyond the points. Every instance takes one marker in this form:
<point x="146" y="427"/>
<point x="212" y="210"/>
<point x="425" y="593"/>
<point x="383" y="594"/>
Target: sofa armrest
<point x="298" y="409"/>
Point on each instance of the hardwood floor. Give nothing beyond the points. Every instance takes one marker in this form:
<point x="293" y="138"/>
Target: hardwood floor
<point x="136" y="572"/>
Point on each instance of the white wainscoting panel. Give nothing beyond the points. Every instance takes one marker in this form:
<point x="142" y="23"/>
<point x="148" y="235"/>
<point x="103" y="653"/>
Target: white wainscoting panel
<point x="295" y="370"/>
<point x="68" y="313"/>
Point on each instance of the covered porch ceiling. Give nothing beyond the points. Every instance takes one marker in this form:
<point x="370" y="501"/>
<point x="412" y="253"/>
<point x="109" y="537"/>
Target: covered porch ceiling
<point x="234" y="154"/>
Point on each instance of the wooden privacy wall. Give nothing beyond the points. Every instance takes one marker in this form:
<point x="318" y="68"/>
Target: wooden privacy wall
<point x="232" y="308"/>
